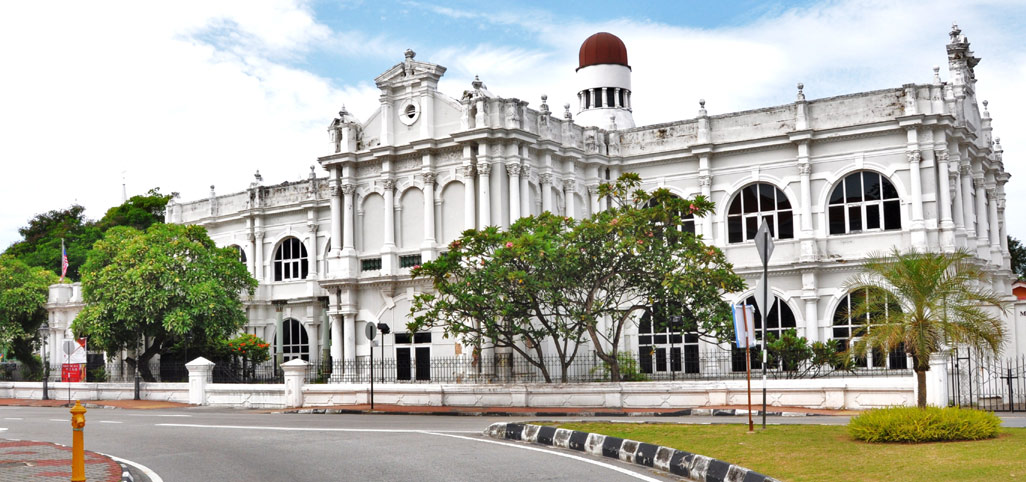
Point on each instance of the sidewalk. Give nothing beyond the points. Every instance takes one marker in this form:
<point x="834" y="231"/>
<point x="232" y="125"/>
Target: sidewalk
<point x="22" y="461"/>
<point x="129" y="404"/>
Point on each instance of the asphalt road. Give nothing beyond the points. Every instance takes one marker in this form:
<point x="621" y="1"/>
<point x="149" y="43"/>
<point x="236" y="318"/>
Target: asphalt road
<point x="204" y="444"/>
<point x="201" y="444"/>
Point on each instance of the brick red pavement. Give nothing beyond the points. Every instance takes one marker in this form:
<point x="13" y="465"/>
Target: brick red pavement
<point x="44" y="461"/>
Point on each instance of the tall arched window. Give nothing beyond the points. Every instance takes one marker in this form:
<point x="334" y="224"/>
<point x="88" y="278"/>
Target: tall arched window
<point x="864" y="201"/>
<point x="294" y="343"/>
<point x="756" y="203"/>
<point x="780" y="319"/>
<point x="242" y="253"/>
<point x="290" y="260"/>
<point x="849" y="324"/>
<point x="664" y="345"/>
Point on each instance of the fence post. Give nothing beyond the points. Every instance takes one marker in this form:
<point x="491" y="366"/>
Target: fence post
<point x="294" y="370"/>
<point x="937" y="380"/>
<point x="200" y="374"/>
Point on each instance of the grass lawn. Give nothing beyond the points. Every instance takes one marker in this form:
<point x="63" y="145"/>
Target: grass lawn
<point x="796" y="453"/>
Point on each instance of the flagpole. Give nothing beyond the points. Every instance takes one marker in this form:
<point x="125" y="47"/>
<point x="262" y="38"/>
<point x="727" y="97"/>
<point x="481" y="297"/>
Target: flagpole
<point x="748" y="366"/>
<point x="64" y="255"/>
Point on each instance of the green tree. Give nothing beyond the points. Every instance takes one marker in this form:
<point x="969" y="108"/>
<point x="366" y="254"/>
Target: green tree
<point x="23" y="294"/>
<point x="41" y="243"/>
<point x="1018" y="254"/>
<point x="169" y="284"/>
<point x="943" y="300"/>
<point x="139" y="212"/>
<point x="636" y="254"/>
<point x="498" y="287"/>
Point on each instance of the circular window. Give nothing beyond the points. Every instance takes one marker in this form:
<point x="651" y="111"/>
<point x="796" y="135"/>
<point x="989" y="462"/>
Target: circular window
<point x="409" y="113"/>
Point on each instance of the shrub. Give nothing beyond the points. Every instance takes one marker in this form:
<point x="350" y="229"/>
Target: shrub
<point x="917" y="425"/>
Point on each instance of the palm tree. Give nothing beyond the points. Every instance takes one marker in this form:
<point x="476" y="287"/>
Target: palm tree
<point x="943" y="300"/>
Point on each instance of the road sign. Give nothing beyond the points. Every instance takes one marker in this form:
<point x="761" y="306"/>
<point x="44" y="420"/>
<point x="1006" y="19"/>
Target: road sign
<point x="764" y="242"/>
<point x="371" y="331"/>
<point x="762" y="295"/>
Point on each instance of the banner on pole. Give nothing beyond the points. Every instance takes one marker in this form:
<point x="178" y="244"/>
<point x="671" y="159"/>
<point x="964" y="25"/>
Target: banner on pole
<point x="743" y="336"/>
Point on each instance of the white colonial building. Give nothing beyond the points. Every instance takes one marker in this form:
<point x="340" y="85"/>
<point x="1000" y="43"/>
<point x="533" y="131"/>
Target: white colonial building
<point x="837" y="178"/>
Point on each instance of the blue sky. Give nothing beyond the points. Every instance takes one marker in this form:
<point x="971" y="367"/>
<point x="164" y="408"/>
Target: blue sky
<point x="185" y="95"/>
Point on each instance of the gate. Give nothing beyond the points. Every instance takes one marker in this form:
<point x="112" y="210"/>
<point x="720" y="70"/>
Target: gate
<point x="987" y="383"/>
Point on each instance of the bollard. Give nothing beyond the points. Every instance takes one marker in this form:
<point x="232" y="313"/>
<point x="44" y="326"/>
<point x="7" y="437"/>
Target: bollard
<point x="77" y="449"/>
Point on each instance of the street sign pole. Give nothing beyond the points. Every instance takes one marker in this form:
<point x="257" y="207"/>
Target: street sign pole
<point x="764" y="245"/>
<point x="748" y="366"/>
<point x="371" y="332"/>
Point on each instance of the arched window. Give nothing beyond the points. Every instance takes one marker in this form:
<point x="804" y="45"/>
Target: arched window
<point x="664" y="345"/>
<point x="864" y="201"/>
<point x="687" y="219"/>
<point x="241" y="253"/>
<point x="780" y="319"/>
<point x="290" y="260"/>
<point x="756" y="203"/>
<point x="849" y="324"/>
<point x="294" y="343"/>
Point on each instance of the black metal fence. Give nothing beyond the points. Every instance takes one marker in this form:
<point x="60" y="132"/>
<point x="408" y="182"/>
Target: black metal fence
<point x="987" y="383"/>
<point x="514" y="368"/>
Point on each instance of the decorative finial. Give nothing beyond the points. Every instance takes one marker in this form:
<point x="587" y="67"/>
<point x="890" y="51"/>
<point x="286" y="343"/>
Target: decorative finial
<point x="801" y="92"/>
<point x="258" y="177"/>
<point x="410" y="54"/>
<point x="701" y="108"/>
<point x="544" y="107"/>
<point x="544" y="98"/>
<point x="477" y="83"/>
<point x="956" y="33"/>
<point x="566" y="111"/>
<point x="313" y="172"/>
<point x="997" y="145"/>
<point x="936" y="74"/>
<point x="986" y="113"/>
<point x="211" y="189"/>
<point x="342" y="113"/>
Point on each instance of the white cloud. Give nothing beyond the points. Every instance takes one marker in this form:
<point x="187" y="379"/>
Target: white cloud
<point x="190" y="94"/>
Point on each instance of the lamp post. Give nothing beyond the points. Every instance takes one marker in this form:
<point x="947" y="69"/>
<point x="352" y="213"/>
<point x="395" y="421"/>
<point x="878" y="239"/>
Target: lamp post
<point x="44" y="334"/>
<point x="137" y="381"/>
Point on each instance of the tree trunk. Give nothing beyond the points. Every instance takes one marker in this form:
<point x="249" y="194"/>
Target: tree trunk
<point x="921" y="381"/>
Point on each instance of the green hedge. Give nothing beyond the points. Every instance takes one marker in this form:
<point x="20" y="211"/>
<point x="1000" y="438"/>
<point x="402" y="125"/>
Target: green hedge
<point x="916" y="425"/>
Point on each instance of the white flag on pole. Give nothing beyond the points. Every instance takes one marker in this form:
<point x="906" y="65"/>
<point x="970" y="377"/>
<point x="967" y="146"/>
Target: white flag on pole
<point x="743" y="313"/>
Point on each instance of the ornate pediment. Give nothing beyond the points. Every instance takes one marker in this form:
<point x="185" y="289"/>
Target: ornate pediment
<point x="409" y="71"/>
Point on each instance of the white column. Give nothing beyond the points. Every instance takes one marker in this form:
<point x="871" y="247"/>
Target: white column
<point x="469" y="197"/>
<point x="294" y="371"/>
<point x="336" y="213"/>
<point x="943" y="185"/>
<point x="569" y="186"/>
<point x="336" y="338"/>
<point x="811" y="319"/>
<point x="969" y="215"/>
<point x="604" y="97"/>
<point x="982" y="228"/>
<point x="259" y="255"/>
<point x="513" y="169"/>
<point x="705" y="182"/>
<point x="593" y="199"/>
<point x="805" y="172"/>
<point x="429" y="212"/>
<point x="995" y="225"/>
<point x="546" y="188"/>
<point x="914" y="156"/>
<point x="955" y="184"/>
<point x="349" y="337"/>
<point x="616" y="97"/>
<point x="525" y="189"/>
<point x="484" y="169"/>
<point x="200" y="374"/>
<point x="386" y="122"/>
<point x="389" y="186"/>
<point x="349" y="191"/>
<point x="312" y="273"/>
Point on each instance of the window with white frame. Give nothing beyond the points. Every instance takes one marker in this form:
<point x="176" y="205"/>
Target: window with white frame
<point x="687" y="219"/>
<point x="850" y="322"/>
<point x="864" y="201"/>
<point x="780" y="319"/>
<point x="241" y="253"/>
<point x="757" y="203"/>
<point x="664" y="345"/>
<point x="295" y="343"/>
<point x="290" y="260"/>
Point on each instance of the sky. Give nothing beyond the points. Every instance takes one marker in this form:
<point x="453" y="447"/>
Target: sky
<point x="186" y="95"/>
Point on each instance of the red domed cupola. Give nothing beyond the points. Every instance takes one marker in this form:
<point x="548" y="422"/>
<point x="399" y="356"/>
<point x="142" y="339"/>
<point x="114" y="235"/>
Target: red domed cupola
<point x="603" y="48"/>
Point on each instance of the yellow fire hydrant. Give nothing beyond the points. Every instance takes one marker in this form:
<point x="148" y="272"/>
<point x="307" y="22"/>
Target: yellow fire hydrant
<point x="77" y="444"/>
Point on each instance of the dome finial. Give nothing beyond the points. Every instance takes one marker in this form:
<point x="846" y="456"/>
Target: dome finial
<point x="566" y="112"/>
<point x="986" y="113"/>
<point x="801" y="92"/>
<point x="701" y="108"/>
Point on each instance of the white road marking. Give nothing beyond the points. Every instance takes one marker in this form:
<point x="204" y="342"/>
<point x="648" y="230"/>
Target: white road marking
<point x="561" y="454"/>
<point x="109" y="421"/>
<point x="13" y="418"/>
<point x="313" y="429"/>
<point x="158" y="415"/>
<point x="445" y="433"/>
<point x="59" y="420"/>
<point x="2" y="429"/>
<point x="142" y="468"/>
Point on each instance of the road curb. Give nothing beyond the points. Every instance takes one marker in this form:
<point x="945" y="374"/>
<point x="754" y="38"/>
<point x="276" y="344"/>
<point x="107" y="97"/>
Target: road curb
<point x="552" y="413"/>
<point x="678" y="462"/>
